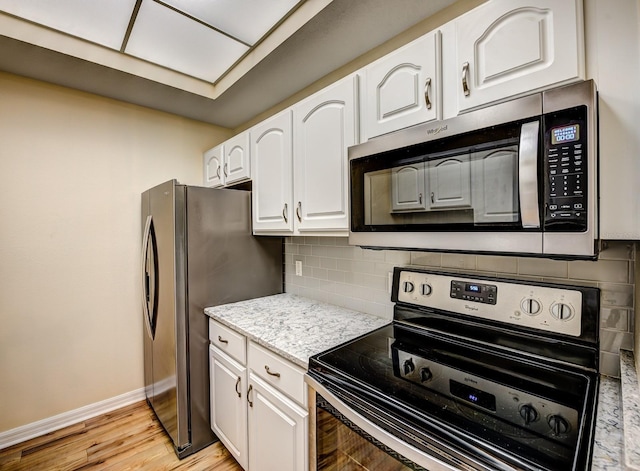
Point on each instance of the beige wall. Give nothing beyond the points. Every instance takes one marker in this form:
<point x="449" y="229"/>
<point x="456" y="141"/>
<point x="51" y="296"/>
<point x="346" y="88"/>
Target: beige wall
<point x="73" y="166"/>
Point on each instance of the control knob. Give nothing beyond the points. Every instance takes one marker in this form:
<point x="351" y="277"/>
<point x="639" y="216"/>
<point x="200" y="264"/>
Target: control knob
<point x="531" y="306"/>
<point x="528" y="413"/>
<point x="425" y="289"/>
<point x="561" y="311"/>
<point x="558" y="424"/>
<point x="408" y="366"/>
<point x="425" y="374"/>
<point x="407" y="287"/>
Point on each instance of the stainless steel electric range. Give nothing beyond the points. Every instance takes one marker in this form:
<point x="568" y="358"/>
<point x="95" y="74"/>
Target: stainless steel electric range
<point x="474" y="373"/>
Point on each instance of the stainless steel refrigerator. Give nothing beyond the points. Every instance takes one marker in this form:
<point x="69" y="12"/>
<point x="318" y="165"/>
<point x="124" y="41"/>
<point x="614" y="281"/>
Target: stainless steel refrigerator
<point x="197" y="251"/>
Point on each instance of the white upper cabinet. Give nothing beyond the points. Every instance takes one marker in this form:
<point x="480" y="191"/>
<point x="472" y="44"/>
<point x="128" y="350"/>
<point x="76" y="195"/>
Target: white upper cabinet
<point x="505" y="48"/>
<point x="229" y="162"/>
<point x="408" y="188"/>
<point x="402" y="88"/>
<point x="271" y="161"/>
<point x="324" y="126"/>
<point x="213" y="163"/>
<point x="237" y="162"/>
<point x="449" y="183"/>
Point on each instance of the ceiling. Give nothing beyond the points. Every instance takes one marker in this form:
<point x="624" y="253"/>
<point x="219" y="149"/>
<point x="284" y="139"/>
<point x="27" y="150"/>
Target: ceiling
<point x="217" y="61"/>
<point x="199" y="38"/>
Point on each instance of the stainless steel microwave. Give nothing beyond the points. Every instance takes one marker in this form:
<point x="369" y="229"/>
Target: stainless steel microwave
<point x="519" y="177"/>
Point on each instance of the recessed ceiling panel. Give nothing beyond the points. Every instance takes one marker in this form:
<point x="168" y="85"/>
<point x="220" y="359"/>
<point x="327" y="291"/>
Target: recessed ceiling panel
<point x="247" y="20"/>
<point x="170" y="39"/>
<point x="99" y="21"/>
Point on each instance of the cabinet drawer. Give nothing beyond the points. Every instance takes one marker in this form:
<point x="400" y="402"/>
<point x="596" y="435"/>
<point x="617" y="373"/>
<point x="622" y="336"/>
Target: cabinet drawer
<point x="228" y="340"/>
<point x="278" y="372"/>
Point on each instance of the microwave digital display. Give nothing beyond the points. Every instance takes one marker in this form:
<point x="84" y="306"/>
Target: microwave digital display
<point x="565" y="134"/>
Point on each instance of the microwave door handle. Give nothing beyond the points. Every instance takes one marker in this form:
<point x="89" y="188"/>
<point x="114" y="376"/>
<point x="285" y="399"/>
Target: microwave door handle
<point x="528" y="175"/>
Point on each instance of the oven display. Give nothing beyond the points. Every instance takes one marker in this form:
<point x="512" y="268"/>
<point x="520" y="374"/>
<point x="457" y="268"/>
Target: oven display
<point x="478" y="292"/>
<point x="565" y="134"/>
<point x="472" y="395"/>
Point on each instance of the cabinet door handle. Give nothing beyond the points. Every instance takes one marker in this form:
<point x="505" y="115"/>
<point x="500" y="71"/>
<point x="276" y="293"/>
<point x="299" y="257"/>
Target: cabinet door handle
<point x="427" y="92"/>
<point x="248" y="393"/>
<point x="221" y="340"/>
<point x="298" y="211"/>
<point x="284" y="213"/>
<point x="420" y="198"/>
<point x="237" y="390"/>
<point x="269" y="372"/>
<point x="465" y="78"/>
<point x="218" y="171"/>
<point x="225" y="170"/>
<point x="432" y="198"/>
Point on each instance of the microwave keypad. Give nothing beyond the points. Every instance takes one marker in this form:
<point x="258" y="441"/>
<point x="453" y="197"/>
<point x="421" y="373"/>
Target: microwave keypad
<point x="567" y="180"/>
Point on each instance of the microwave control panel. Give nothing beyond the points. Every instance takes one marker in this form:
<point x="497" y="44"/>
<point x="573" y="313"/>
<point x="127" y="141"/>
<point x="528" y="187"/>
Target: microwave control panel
<point x="565" y="151"/>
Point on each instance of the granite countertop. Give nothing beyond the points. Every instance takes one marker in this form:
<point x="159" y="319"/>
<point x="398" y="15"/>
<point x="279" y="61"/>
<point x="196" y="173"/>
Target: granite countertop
<point x="297" y="328"/>
<point x="617" y="437"/>
<point x="294" y="327"/>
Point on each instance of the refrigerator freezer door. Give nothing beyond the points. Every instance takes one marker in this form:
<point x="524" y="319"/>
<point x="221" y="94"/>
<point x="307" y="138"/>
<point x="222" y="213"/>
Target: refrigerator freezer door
<point x="168" y="355"/>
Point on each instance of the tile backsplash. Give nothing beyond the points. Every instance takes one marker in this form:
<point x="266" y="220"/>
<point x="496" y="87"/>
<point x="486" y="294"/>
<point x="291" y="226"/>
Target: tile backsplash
<point x="356" y="278"/>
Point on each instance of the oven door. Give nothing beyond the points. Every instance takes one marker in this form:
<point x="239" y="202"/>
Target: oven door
<point x="350" y="437"/>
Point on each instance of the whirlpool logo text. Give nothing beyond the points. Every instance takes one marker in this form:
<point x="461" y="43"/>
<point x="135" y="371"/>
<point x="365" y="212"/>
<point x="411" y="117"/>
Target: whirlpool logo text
<point x="438" y="130"/>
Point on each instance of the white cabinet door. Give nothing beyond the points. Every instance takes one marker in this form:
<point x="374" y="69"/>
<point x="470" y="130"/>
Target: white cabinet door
<point x="229" y="404"/>
<point x="271" y="160"/>
<point x="278" y="430"/>
<point x="495" y="187"/>
<point x="402" y="88"/>
<point x="449" y="183"/>
<point x="408" y="188"/>
<point x="509" y="47"/>
<point x="213" y="164"/>
<point x="324" y="127"/>
<point x="237" y="164"/>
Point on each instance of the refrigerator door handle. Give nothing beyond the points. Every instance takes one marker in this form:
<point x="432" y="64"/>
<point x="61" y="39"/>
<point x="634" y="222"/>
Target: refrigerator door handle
<point x="146" y="288"/>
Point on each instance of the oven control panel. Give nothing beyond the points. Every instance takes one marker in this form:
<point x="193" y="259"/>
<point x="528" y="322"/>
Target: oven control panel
<point x="478" y="292"/>
<point x="550" y="309"/>
<point x="535" y="413"/>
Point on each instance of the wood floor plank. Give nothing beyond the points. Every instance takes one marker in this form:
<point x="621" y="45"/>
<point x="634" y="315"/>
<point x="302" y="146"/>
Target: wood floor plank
<point x="130" y="438"/>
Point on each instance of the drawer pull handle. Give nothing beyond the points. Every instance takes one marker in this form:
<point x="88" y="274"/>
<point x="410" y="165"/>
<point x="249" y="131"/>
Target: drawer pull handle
<point x="238" y="384"/>
<point x="221" y="340"/>
<point x="269" y="372"/>
<point x="248" y="393"/>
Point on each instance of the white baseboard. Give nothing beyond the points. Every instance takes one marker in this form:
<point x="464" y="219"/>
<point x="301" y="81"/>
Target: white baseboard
<point x="51" y="424"/>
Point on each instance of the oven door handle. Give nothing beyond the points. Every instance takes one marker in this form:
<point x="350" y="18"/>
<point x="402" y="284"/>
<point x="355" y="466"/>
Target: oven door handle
<point x="417" y="456"/>
<point x="528" y="175"/>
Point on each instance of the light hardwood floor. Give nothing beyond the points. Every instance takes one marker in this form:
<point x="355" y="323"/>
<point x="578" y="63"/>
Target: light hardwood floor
<point x="130" y="438"/>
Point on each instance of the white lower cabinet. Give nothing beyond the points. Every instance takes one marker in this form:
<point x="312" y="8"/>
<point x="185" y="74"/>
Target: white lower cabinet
<point x="277" y="430"/>
<point x="258" y="409"/>
<point x="228" y="403"/>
